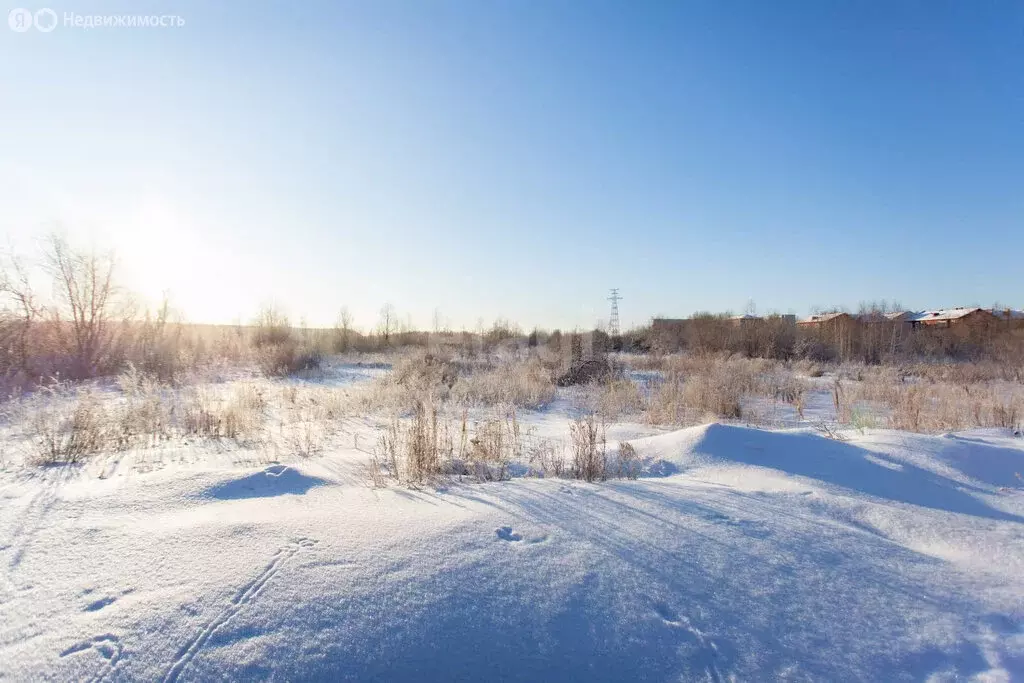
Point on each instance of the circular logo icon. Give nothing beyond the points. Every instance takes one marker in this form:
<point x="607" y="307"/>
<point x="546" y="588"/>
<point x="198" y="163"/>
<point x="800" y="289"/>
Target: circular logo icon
<point x="20" y="20"/>
<point x="46" y="20"/>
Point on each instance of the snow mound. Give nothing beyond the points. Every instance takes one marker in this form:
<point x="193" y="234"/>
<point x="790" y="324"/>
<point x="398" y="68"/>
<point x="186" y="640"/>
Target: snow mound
<point x="959" y="467"/>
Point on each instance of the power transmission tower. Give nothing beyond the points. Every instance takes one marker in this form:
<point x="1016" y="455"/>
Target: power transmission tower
<point x="613" y="321"/>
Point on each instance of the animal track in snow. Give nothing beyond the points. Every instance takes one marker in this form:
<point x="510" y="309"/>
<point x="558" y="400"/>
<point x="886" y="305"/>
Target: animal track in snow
<point x="245" y="595"/>
<point x="108" y="646"/>
<point x="706" y="654"/>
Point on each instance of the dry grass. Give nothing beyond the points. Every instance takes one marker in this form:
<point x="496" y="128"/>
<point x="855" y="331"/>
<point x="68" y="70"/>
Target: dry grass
<point x="620" y="397"/>
<point x="918" y="398"/>
<point x="457" y="416"/>
<point x="289" y="357"/>
<point x="519" y="382"/>
<point x="700" y="388"/>
<point x="308" y="417"/>
<point x="145" y="415"/>
<point x="69" y="431"/>
<point x="524" y="384"/>
<point x="497" y="440"/>
<point x="920" y="404"/>
<point x="67" y="425"/>
<point x="430" y="444"/>
<point x="414" y="450"/>
<point x="238" y="414"/>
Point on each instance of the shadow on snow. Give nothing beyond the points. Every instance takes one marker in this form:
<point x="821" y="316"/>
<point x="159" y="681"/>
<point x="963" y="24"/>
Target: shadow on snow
<point x="276" y="480"/>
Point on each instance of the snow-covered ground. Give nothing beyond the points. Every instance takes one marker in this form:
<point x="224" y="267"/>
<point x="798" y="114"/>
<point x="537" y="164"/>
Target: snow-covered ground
<point x="756" y="555"/>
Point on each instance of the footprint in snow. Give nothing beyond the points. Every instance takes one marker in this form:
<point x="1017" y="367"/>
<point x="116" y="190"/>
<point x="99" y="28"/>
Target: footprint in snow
<point x="505" y="533"/>
<point x="99" y="604"/>
<point x="107" y="647"/>
<point x="667" y="615"/>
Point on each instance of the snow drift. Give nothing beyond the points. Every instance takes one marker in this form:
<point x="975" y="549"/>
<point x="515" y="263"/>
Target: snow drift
<point x="764" y="555"/>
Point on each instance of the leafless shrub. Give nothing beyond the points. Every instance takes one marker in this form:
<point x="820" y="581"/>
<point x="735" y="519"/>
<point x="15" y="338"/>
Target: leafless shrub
<point x="424" y="371"/>
<point x="286" y="358"/>
<point x="921" y="398"/>
<point x="589" y="457"/>
<point x="271" y="327"/>
<point x="628" y="464"/>
<point x="586" y="371"/>
<point x="546" y="459"/>
<point x="782" y="385"/>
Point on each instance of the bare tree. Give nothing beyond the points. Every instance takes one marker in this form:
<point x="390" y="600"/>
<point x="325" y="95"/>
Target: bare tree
<point x="272" y="326"/>
<point x="343" y="330"/>
<point x="387" y="324"/>
<point x="21" y="314"/>
<point x="85" y="291"/>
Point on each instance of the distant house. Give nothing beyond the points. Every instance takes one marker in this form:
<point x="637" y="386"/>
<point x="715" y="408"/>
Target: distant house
<point x="825" y="319"/>
<point x="953" y="317"/>
<point x="1012" y="317"/>
<point x="669" y="325"/>
<point x="876" y="318"/>
<point x="744" y="320"/>
<point x="901" y="316"/>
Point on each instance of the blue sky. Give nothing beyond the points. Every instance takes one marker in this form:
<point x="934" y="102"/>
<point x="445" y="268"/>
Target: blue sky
<point x="516" y="159"/>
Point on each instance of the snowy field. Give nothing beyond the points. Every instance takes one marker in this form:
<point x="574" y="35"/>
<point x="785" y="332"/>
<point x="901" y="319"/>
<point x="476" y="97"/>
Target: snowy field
<point x="744" y="554"/>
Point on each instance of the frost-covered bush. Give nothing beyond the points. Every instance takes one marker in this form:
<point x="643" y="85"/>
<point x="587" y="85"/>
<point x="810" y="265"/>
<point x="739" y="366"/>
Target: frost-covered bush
<point x="69" y="430"/>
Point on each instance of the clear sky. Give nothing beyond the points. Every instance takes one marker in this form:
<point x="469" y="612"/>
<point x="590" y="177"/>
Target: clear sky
<point x="515" y="159"/>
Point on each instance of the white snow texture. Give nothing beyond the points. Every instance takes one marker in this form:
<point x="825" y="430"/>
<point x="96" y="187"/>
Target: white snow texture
<point x="757" y="555"/>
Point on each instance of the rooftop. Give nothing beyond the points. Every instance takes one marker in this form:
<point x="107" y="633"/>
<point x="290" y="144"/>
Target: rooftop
<point x="943" y="314"/>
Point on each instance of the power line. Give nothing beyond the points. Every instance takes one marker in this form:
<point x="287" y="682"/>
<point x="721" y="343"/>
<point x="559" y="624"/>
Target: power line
<point x="613" y="321"/>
